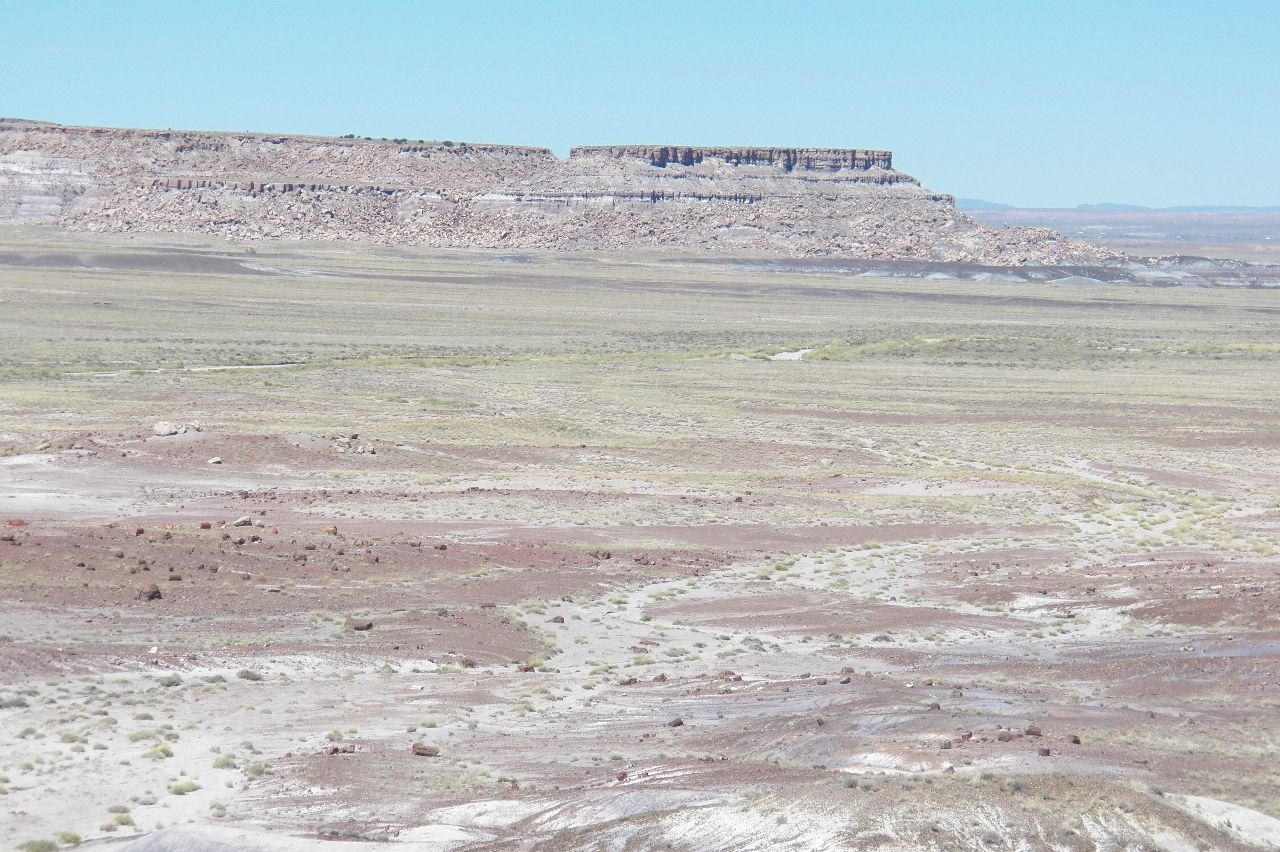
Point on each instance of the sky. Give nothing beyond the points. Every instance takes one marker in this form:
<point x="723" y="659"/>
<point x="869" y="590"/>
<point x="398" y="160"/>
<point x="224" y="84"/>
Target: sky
<point x="1035" y="103"/>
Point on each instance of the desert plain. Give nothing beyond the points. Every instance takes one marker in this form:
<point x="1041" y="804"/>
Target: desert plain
<point x="328" y="545"/>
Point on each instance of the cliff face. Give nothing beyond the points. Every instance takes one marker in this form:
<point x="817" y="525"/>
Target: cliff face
<point x="809" y="159"/>
<point x="784" y="201"/>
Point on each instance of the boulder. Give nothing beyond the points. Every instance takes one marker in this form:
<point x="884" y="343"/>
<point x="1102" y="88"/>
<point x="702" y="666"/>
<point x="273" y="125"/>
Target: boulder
<point x="149" y="592"/>
<point x="424" y="750"/>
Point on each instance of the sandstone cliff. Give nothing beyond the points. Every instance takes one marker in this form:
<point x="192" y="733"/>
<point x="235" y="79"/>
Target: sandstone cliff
<point x="785" y="201"/>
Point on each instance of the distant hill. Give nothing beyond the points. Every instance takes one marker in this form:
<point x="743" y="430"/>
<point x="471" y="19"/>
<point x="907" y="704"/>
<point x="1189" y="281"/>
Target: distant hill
<point x="1220" y="208"/>
<point x="1111" y="206"/>
<point x="1118" y="207"/>
<point x="980" y="204"/>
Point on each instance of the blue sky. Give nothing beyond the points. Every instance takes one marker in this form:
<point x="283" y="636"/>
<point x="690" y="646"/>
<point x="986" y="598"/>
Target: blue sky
<point x="1032" y="103"/>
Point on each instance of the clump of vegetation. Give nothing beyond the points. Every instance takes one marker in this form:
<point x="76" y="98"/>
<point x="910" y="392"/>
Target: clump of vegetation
<point x="38" y="846"/>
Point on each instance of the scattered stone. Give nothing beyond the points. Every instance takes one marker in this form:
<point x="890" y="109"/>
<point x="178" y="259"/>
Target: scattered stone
<point x="164" y="429"/>
<point x="215" y="460"/>
<point x="1043" y="751"/>
<point x="244" y="521"/>
<point x="1033" y="731"/>
<point x="559" y="619"/>
<point x="348" y="748"/>
<point x="675" y="723"/>
<point x="622" y="776"/>
<point x="1074" y="739"/>
<point x="149" y="592"/>
<point x="424" y="750"/>
<point x="358" y="624"/>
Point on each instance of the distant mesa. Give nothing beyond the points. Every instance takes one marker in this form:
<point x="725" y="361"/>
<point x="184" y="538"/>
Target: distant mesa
<point x="772" y="201"/>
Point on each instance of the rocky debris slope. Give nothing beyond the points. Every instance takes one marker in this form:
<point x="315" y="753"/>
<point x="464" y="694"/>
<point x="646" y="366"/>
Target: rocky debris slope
<point x="784" y="201"/>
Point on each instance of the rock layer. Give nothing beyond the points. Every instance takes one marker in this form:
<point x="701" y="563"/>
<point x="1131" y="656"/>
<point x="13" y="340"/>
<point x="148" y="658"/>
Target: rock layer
<point x="786" y="201"/>
<point x="831" y="159"/>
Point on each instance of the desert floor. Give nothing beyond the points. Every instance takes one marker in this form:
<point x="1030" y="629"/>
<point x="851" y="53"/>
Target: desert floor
<point x="641" y="552"/>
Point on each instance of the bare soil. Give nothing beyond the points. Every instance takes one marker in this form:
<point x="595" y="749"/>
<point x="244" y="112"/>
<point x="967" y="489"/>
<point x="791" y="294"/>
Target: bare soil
<point x="969" y="574"/>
